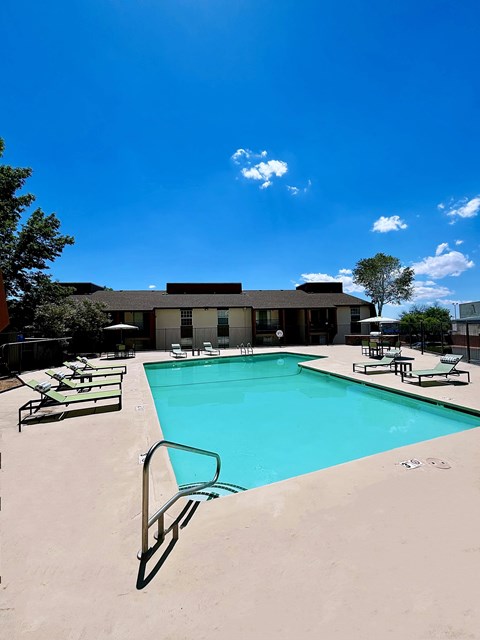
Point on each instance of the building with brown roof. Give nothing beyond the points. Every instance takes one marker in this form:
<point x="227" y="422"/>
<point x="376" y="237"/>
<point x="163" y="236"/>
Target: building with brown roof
<point x="226" y="315"/>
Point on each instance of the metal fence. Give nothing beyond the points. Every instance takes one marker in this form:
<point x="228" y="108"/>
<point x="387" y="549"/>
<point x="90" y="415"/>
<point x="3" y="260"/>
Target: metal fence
<point x="16" y="357"/>
<point x="458" y="338"/>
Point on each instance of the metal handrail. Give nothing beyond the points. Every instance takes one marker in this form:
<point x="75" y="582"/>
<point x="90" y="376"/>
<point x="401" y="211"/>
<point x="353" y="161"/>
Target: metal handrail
<point x="159" y="515"/>
<point x="245" y="350"/>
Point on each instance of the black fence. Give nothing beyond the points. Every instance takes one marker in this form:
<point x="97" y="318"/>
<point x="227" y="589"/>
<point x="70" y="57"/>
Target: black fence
<point x="461" y="338"/>
<point x="26" y="355"/>
<point x="430" y="337"/>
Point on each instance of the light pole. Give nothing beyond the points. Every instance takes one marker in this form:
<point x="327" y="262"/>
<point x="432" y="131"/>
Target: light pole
<point x="455" y="305"/>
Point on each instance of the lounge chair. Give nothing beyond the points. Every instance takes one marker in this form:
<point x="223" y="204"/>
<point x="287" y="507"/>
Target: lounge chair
<point x="178" y="352"/>
<point x="388" y="360"/>
<point x="209" y="350"/>
<point x="98" y="367"/>
<point x="444" y="368"/>
<point x="65" y="383"/>
<point x="88" y="374"/>
<point x="51" y="398"/>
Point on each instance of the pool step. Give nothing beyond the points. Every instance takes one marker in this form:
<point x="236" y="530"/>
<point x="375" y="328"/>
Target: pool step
<point x="218" y="490"/>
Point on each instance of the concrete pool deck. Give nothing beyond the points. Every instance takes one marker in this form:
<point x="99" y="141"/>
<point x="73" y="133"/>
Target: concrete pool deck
<point x="367" y="549"/>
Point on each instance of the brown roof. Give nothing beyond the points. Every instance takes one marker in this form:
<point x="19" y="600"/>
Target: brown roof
<point x="256" y="299"/>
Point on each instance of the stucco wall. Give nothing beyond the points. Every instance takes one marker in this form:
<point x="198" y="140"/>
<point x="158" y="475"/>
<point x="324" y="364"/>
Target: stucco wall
<point x="167" y="327"/>
<point x="204" y="322"/>
<point x="344" y="319"/>
<point x="240" y="326"/>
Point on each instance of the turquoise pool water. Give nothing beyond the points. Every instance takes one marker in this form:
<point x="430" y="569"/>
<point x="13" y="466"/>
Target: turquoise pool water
<point x="270" y="419"/>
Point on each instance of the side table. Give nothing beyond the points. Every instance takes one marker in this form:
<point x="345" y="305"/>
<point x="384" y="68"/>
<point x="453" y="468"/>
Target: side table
<point x="400" y="366"/>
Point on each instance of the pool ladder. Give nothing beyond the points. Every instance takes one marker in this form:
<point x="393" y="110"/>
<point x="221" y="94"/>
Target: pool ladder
<point x="245" y="350"/>
<point x="159" y="516"/>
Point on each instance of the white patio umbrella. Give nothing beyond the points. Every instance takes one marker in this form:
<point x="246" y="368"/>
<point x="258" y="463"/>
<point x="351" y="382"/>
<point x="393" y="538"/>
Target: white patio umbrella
<point x="379" y="319"/>
<point x="120" y="327"/>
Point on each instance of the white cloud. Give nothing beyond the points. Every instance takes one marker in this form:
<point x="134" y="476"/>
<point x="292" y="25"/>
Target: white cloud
<point x="265" y="171"/>
<point x="440" y="206"/>
<point x="241" y="154"/>
<point x="384" y="224"/>
<point x="294" y="191"/>
<point x="152" y="286"/>
<point x="344" y="275"/>
<point x="252" y="174"/>
<point x="441" y="248"/>
<point x="262" y="171"/>
<point x="464" y="209"/>
<point x="429" y="290"/>
<point x="444" y="263"/>
<point x="458" y="242"/>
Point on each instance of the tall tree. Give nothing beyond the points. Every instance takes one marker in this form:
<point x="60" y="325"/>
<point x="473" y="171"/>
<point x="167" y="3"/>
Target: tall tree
<point x="384" y="279"/>
<point x="26" y="249"/>
<point x="81" y="319"/>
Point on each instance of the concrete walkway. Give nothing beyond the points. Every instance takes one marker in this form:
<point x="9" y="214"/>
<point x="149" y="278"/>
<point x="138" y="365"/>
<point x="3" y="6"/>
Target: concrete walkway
<point x="362" y="550"/>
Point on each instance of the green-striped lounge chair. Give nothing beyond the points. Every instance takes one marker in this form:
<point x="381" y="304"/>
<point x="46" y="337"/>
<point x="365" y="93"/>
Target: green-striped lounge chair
<point x="66" y="383"/>
<point x="52" y="398"/>
<point x="387" y="361"/>
<point x="98" y="367"/>
<point x="446" y="367"/>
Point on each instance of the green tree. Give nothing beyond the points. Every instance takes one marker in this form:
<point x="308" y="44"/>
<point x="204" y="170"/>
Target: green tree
<point x="26" y="249"/>
<point x="435" y="318"/>
<point x="83" y="320"/>
<point x="384" y="279"/>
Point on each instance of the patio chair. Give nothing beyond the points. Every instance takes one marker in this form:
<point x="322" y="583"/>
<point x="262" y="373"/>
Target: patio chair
<point x="365" y="347"/>
<point x="51" y="398"/>
<point x="446" y="367"/>
<point x="387" y="361"/>
<point x="98" y="367"/>
<point x="65" y="383"/>
<point x="209" y="350"/>
<point x="88" y="374"/>
<point x="178" y="352"/>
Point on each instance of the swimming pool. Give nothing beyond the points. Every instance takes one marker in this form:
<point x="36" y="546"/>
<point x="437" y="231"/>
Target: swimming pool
<point x="271" y="419"/>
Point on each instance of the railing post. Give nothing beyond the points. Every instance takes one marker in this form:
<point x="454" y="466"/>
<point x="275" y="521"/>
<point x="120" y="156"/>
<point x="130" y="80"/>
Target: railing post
<point x="161" y="528"/>
<point x="145" y="499"/>
<point x="159" y="515"/>
<point x="467" y="335"/>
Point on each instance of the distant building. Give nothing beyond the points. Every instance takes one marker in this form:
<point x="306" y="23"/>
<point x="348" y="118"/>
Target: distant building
<point x="469" y="310"/>
<point x="82" y="288"/>
<point x="225" y="315"/>
<point x="466" y="331"/>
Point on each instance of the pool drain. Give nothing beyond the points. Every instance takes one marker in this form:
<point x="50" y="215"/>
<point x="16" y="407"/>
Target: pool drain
<point x="436" y="462"/>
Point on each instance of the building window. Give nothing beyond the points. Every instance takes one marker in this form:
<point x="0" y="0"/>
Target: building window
<point x="222" y="315"/>
<point x="186" y="317"/>
<point x="223" y="333"/>
<point x="355" y="326"/>
<point x="186" y="328"/>
<point x="318" y="319"/>
<point x="267" y="320"/>
<point x="136" y="318"/>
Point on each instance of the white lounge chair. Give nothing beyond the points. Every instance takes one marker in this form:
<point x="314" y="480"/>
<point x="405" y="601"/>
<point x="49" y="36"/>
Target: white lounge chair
<point x="177" y="351"/>
<point x="209" y="350"/>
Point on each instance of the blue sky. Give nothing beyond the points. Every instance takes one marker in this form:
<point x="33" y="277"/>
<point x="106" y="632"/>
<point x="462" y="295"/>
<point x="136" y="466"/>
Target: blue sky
<point x="267" y="142"/>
